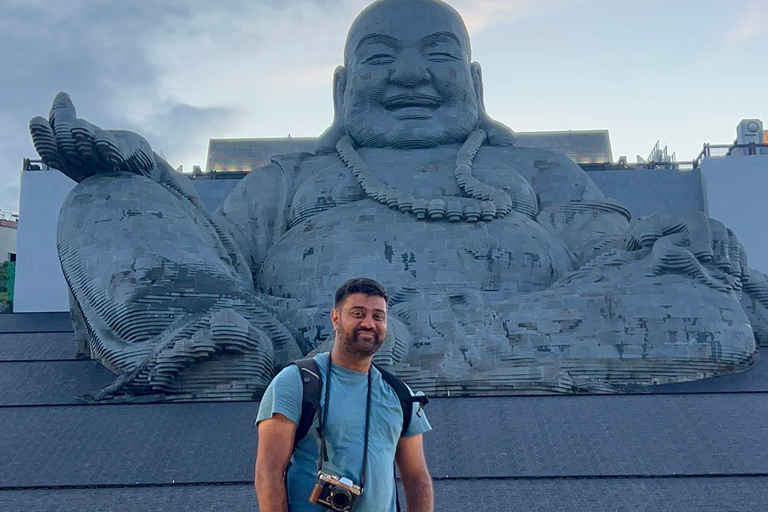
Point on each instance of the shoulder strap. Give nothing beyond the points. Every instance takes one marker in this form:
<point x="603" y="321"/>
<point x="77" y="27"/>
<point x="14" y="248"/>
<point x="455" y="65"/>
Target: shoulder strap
<point x="404" y="394"/>
<point x="310" y="401"/>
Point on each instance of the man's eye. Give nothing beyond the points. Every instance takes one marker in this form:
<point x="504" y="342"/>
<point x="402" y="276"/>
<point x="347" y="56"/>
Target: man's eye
<point x="441" y="57"/>
<point x="379" y="58"/>
<point x="379" y="318"/>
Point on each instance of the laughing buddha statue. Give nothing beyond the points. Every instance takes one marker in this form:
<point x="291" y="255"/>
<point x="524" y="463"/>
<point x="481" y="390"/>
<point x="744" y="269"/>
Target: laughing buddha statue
<point x="507" y="268"/>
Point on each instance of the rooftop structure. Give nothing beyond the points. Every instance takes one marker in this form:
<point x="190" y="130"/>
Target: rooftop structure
<point x="581" y="146"/>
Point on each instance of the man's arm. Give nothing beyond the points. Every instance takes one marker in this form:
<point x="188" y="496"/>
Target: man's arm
<point x="276" y="436"/>
<point x="419" y="496"/>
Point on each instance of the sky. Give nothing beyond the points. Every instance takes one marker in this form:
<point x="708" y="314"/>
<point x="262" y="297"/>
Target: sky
<point x="180" y="72"/>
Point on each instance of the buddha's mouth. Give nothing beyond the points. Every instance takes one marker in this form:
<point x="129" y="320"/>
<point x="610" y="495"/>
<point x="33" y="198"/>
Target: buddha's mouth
<point x="402" y="101"/>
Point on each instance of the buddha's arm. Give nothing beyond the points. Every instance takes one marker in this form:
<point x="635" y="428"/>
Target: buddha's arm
<point x="255" y="212"/>
<point x="586" y="228"/>
<point x="573" y="208"/>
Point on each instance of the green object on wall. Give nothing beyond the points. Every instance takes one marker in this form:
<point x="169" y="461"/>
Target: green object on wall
<point x="11" y="272"/>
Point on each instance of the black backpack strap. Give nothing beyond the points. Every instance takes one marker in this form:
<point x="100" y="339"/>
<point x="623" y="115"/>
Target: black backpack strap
<point x="404" y="394"/>
<point x="311" y="390"/>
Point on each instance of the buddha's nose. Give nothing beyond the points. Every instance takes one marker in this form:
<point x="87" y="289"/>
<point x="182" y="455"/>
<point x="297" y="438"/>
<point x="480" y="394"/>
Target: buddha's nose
<point x="409" y="69"/>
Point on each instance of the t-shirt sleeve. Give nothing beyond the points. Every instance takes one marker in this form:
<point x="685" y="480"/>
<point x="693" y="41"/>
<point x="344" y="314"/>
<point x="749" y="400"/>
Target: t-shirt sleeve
<point x="419" y="423"/>
<point x="283" y="396"/>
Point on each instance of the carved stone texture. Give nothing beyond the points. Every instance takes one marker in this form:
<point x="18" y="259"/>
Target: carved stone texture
<point x="508" y="270"/>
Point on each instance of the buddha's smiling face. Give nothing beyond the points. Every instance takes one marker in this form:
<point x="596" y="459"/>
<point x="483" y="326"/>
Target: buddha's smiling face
<point x="409" y="80"/>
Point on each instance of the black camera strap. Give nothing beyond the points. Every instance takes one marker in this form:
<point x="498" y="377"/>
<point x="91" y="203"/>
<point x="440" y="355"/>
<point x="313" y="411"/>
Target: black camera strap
<point x="324" y="420"/>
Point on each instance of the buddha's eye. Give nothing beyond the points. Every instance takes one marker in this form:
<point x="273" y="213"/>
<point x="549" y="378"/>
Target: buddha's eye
<point x="442" y="57"/>
<point x="379" y="58"/>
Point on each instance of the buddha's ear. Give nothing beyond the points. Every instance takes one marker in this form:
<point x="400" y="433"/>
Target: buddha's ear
<point x="497" y="134"/>
<point x="326" y="143"/>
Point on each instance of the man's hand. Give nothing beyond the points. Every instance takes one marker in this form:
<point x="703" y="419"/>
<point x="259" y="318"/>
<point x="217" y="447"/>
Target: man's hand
<point x="276" y="436"/>
<point x="419" y="495"/>
<point x="80" y="149"/>
<point x="690" y="243"/>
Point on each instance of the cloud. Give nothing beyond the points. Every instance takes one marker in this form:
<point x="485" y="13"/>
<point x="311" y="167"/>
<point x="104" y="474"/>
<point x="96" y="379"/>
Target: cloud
<point x="481" y="14"/>
<point x="752" y="24"/>
<point x="177" y="71"/>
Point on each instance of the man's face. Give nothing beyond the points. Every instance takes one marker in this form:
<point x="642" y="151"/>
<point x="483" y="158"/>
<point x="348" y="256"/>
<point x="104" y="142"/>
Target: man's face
<point x="409" y="82"/>
<point x="360" y="323"/>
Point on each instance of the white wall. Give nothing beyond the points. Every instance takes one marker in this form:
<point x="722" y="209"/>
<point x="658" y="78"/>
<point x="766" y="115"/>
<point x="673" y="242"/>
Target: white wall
<point x="40" y="284"/>
<point x="737" y="192"/>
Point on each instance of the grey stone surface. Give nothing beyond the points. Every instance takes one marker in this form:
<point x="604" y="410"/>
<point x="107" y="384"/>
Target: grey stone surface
<point x="214" y="192"/>
<point x="509" y="270"/>
<point x="50" y="383"/>
<point x="700" y="494"/>
<point x="35" y="322"/>
<point x="37" y="346"/>
<point x="586" y="436"/>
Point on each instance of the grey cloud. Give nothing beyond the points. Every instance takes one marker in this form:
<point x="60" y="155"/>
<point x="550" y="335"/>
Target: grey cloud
<point x="101" y="52"/>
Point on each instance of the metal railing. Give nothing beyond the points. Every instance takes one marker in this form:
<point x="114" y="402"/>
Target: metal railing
<point x="29" y="164"/>
<point x="722" y="150"/>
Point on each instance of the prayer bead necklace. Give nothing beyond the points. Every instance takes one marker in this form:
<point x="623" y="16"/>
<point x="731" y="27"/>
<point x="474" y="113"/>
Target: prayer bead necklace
<point x="491" y="202"/>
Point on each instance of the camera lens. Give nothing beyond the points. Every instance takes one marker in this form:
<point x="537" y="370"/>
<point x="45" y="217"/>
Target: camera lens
<point x="340" y="498"/>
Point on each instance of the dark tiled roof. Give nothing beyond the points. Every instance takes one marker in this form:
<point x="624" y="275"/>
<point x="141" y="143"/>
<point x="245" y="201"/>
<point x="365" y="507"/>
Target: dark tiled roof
<point x="37" y="346"/>
<point x="50" y="382"/>
<point x="35" y="322"/>
<point x="697" y="446"/>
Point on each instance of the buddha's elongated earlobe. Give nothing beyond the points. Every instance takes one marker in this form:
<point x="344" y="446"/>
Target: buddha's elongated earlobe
<point x="326" y="143"/>
<point x="498" y="134"/>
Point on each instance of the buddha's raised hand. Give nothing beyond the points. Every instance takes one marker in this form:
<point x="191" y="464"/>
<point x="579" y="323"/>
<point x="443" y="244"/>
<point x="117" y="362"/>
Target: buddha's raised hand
<point x="80" y="149"/>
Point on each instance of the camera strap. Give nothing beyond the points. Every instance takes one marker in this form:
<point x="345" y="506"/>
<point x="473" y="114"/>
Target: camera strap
<point x="324" y="419"/>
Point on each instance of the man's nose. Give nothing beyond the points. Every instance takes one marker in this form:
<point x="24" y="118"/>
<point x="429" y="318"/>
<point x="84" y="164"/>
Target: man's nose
<point x="409" y="69"/>
<point x="368" y="323"/>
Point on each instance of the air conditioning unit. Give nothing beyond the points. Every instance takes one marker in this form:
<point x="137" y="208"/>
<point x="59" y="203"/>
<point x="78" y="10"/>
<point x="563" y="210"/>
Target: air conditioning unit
<point x="749" y="130"/>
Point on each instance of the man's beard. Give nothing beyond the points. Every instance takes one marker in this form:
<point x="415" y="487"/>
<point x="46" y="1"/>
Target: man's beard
<point x="354" y="346"/>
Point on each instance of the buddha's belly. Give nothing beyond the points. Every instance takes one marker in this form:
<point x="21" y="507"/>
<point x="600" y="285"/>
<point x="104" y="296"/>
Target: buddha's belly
<point x="366" y="239"/>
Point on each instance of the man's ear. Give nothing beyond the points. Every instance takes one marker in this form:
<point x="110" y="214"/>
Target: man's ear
<point x="326" y="143"/>
<point x="335" y="319"/>
<point x="496" y="133"/>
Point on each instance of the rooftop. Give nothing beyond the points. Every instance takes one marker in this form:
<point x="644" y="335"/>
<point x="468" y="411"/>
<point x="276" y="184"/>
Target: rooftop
<point x="697" y="446"/>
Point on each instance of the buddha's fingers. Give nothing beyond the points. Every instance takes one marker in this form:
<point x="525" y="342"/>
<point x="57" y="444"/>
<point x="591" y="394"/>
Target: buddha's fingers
<point x="45" y="142"/>
<point x="61" y="117"/>
<point x="109" y="149"/>
<point x="84" y="134"/>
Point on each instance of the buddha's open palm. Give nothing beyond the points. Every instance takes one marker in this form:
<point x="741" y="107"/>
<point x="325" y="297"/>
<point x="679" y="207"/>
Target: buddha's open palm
<point x="80" y="149"/>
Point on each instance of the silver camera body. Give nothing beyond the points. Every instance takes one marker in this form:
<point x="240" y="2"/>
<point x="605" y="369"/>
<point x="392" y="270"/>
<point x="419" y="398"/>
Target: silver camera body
<point x="335" y="493"/>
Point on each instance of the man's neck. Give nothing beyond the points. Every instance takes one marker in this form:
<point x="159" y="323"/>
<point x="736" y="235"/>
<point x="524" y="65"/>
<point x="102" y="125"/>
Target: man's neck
<point x="350" y="362"/>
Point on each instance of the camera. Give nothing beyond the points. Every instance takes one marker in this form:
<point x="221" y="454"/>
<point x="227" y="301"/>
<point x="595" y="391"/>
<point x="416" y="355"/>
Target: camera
<point x="335" y="493"/>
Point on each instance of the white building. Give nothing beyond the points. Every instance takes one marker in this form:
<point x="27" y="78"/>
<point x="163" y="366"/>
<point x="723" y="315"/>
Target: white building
<point x="9" y="224"/>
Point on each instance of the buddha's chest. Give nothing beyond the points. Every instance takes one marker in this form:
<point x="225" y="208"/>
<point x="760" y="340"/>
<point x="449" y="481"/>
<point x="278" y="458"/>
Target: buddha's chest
<point x="425" y="174"/>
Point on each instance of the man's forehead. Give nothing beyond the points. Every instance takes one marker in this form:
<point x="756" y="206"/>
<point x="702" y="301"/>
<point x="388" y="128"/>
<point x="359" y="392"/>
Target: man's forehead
<point x="406" y="21"/>
<point x="367" y="302"/>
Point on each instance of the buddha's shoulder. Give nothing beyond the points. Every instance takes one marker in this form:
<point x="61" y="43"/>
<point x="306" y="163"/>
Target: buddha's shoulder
<point x="295" y="168"/>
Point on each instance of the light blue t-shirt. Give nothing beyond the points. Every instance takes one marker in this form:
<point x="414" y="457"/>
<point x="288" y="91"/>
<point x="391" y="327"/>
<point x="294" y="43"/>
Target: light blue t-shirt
<point x="345" y="434"/>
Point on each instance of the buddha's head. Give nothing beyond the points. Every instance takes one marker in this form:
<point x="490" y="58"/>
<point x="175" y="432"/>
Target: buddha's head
<point x="408" y="80"/>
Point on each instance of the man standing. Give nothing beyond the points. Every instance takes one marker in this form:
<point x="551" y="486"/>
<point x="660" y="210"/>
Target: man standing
<point x="360" y="405"/>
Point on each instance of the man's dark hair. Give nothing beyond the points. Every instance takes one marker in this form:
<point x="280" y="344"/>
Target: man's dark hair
<point x="359" y="285"/>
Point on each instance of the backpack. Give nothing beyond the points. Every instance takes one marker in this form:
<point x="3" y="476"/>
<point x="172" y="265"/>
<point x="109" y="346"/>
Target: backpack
<point x="312" y="388"/>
